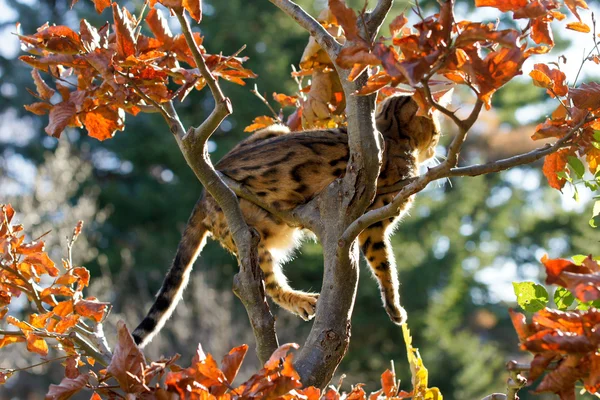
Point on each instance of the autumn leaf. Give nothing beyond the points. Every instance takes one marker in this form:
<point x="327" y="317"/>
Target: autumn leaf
<point x="586" y="96"/>
<point x="194" y="7"/>
<point x="44" y="91"/>
<point x="128" y="361"/>
<point x="260" y="123"/>
<point x="346" y="17"/>
<point x="579" y="27"/>
<point x="103" y="122"/>
<point x="388" y="383"/>
<point x="551" y="79"/>
<point x="36" y="344"/>
<point x="61" y="116"/>
<point x="553" y="164"/>
<point x="67" y="388"/>
<point x="573" y="4"/>
<point x="91" y="309"/>
<point x="159" y="26"/>
<point x="502" y="5"/>
<point x="397" y="24"/>
<point x="124" y="32"/>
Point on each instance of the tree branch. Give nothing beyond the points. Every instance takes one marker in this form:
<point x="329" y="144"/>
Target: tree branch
<point x="316" y="30"/>
<point x="376" y="17"/>
<point x="248" y="282"/>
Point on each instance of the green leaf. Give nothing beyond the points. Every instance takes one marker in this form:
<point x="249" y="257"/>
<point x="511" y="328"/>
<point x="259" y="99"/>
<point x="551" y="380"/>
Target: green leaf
<point x="576" y="165"/>
<point x="530" y="296"/>
<point x="593" y="186"/>
<point x="578" y="259"/>
<point x="595" y="213"/>
<point x="597" y="136"/>
<point x="596" y="145"/>
<point x="563" y="298"/>
<point x="587" y="305"/>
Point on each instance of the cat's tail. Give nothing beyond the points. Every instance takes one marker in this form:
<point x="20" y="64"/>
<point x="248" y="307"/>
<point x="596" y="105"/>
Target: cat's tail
<point x="192" y="242"/>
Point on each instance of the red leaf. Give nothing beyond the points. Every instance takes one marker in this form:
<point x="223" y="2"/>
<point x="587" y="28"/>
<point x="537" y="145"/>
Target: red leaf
<point x="551" y="79"/>
<point x="554" y="163"/>
<point x="101" y="5"/>
<point x="279" y="354"/>
<point x="67" y="388"/>
<point x="520" y="323"/>
<point x="554" y="269"/>
<point x="541" y="32"/>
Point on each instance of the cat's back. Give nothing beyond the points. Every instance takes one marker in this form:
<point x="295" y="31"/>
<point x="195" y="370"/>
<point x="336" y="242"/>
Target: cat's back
<point x="290" y="168"/>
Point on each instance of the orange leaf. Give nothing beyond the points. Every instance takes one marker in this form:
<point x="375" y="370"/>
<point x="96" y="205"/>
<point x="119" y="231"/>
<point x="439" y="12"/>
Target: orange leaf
<point x="103" y="122"/>
<point x="388" y="383"/>
<point x="6" y="340"/>
<point x="578" y="27"/>
<point x="593" y="159"/>
<point x="285" y="100"/>
<point x="84" y="276"/>
<point x="124" y="32"/>
<point x="194" y="7"/>
<point x="573" y="4"/>
<point x="66" y="279"/>
<point x="551" y="79"/>
<point x="502" y="5"/>
<point x="36" y="344"/>
<point x="42" y="264"/>
<point x="260" y="123"/>
<point x="159" y="26"/>
<point x="65" y="324"/>
<point x="45" y="91"/>
<point x="101" y="5"/>
<point x="554" y="163"/>
<point x="541" y="32"/>
<point x="91" y="309"/>
<point x="31" y="248"/>
<point x="231" y="362"/>
<point x="39" y="321"/>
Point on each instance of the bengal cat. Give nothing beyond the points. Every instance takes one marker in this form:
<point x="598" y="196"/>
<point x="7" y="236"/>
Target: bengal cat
<point x="286" y="169"/>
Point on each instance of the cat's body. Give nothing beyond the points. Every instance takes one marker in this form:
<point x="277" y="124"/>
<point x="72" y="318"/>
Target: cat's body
<point x="285" y="170"/>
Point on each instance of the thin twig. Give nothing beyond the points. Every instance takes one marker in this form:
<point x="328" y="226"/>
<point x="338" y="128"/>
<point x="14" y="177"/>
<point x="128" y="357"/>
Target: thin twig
<point x="262" y="98"/>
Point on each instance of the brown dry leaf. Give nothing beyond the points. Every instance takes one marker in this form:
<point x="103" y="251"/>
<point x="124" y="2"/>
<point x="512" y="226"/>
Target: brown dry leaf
<point x="502" y="5"/>
<point x="573" y="4"/>
<point x="346" y="17"/>
<point x="61" y="116"/>
<point x="67" y="388"/>
<point x="159" y="27"/>
<point x="194" y="7"/>
<point x="44" y="91"/>
<point x="127" y="362"/>
<point x="586" y="96"/>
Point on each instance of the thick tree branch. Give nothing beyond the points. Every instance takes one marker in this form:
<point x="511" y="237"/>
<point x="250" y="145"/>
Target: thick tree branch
<point x="376" y="17"/>
<point x="316" y="30"/>
<point x="248" y="283"/>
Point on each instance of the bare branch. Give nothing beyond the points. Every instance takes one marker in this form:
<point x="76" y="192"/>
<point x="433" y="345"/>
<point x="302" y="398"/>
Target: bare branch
<point x="376" y="17"/>
<point x="323" y="38"/>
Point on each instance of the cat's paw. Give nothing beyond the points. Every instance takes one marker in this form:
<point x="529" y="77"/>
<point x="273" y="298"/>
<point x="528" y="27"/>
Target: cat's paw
<point x="304" y="304"/>
<point x="397" y="313"/>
